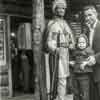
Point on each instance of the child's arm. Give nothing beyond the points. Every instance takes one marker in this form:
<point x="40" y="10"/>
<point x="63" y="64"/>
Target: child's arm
<point x="82" y="66"/>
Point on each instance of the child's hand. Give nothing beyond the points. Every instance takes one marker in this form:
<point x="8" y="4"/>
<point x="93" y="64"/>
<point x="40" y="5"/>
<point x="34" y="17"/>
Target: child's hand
<point x="82" y="66"/>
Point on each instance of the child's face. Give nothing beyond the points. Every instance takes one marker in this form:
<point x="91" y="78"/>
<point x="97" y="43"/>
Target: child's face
<point x="82" y="43"/>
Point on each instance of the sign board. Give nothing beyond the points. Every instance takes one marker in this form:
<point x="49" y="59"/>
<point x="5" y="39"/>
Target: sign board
<point x="24" y="36"/>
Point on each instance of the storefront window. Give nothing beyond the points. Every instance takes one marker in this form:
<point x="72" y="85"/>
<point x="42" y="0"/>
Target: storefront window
<point x="2" y="42"/>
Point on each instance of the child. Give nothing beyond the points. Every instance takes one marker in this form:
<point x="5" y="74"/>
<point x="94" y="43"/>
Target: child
<point x="81" y="69"/>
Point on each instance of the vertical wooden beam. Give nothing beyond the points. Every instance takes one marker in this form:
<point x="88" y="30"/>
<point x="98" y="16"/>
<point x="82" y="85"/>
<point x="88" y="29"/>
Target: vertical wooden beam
<point x="38" y="14"/>
<point x="9" y="58"/>
<point x="38" y="29"/>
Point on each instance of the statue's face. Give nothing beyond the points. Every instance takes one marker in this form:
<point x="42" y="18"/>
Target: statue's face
<point x="90" y="17"/>
<point x="60" y="11"/>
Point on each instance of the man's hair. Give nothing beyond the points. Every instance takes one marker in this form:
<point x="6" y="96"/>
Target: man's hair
<point x="92" y="7"/>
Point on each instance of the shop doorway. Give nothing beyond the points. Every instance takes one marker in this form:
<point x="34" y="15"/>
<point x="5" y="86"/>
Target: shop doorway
<point x="21" y="58"/>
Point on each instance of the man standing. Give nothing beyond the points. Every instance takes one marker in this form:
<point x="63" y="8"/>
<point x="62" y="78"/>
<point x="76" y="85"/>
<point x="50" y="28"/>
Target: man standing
<point x="59" y="40"/>
<point x="93" y="24"/>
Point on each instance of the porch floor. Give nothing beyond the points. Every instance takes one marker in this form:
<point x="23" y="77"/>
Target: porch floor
<point x="30" y="97"/>
<point x="22" y="97"/>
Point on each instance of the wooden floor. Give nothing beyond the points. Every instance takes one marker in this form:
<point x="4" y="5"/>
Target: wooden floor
<point x="30" y="97"/>
<point x="22" y="97"/>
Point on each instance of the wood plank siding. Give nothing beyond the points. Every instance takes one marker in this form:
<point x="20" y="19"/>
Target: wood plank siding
<point x="16" y="7"/>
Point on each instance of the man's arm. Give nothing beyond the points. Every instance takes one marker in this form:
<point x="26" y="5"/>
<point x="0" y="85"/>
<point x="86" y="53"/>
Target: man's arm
<point x="97" y="57"/>
<point x="91" y="60"/>
<point x="94" y="59"/>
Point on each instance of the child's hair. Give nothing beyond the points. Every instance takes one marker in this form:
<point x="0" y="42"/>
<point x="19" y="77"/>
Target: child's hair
<point x="85" y="37"/>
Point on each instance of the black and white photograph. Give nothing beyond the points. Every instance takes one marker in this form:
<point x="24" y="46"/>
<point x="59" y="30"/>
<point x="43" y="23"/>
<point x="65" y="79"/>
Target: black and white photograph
<point x="49" y="50"/>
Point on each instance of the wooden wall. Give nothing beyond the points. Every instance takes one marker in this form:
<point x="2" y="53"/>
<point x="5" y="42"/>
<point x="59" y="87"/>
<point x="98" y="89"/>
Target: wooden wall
<point x="4" y="58"/>
<point x="24" y="7"/>
<point x="16" y="7"/>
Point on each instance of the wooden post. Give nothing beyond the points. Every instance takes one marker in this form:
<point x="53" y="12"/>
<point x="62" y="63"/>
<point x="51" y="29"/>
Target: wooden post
<point x="9" y="58"/>
<point x="38" y="29"/>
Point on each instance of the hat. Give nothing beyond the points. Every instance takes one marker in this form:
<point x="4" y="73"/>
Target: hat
<point x="57" y="3"/>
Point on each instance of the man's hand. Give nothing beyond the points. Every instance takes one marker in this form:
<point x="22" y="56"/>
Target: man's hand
<point x="91" y="61"/>
<point x="82" y="66"/>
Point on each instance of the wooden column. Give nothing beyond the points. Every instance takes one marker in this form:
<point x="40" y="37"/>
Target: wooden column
<point x="8" y="46"/>
<point x="5" y="83"/>
<point x="38" y="29"/>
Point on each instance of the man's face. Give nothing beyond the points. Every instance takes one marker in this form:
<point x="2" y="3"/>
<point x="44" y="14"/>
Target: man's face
<point x="90" y="17"/>
<point x="82" y="43"/>
<point x="60" y="11"/>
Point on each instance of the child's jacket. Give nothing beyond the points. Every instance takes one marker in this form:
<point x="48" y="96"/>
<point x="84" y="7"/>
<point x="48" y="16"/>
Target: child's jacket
<point x="80" y="56"/>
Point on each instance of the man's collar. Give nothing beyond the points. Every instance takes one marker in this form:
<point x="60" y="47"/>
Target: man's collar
<point x="95" y="23"/>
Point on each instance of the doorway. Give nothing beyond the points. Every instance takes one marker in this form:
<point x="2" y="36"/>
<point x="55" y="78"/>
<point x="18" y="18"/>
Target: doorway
<point x="21" y="58"/>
